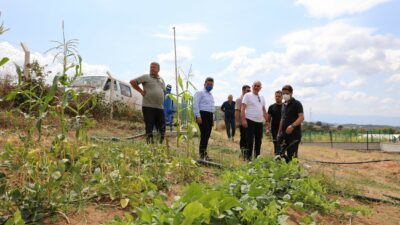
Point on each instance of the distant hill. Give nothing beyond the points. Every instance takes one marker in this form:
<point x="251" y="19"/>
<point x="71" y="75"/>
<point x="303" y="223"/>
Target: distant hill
<point x="356" y="126"/>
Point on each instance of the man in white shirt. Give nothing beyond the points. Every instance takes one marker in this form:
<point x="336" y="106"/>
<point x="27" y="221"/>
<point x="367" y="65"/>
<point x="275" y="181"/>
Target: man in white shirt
<point x="253" y="115"/>
<point x="203" y="109"/>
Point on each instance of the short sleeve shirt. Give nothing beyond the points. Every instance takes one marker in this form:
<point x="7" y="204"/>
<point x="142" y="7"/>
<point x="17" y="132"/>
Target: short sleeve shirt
<point x="290" y="113"/>
<point x="254" y="107"/>
<point x="275" y="111"/>
<point x="154" y="88"/>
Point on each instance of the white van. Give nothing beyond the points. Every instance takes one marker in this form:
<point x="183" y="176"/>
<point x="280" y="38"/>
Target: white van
<point x="102" y="84"/>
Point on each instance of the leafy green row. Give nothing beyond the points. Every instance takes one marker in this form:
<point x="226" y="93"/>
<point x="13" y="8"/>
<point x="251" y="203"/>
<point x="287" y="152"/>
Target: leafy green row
<point x="259" y="193"/>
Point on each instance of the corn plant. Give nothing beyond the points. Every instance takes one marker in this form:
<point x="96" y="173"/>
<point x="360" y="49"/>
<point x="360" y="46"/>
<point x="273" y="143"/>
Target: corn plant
<point x="4" y="60"/>
<point x="188" y="120"/>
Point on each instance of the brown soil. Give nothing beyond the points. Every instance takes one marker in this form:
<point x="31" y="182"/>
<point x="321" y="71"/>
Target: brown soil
<point x="374" y="179"/>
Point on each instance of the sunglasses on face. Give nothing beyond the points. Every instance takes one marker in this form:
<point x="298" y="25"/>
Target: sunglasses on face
<point x="247" y="91"/>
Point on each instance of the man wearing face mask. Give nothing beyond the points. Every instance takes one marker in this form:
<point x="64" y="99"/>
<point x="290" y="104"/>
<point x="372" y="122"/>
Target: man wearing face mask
<point x="253" y="115"/>
<point x="153" y="101"/>
<point x="290" y="126"/>
<point x="203" y="109"/>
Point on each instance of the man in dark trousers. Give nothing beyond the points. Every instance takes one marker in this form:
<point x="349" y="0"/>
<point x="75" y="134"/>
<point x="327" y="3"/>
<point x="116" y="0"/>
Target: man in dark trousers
<point x="290" y="127"/>
<point x="253" y="115"/>
<point x="203" y="109"/>
<point x="228" y="108"/>
<point x="238" y="120"/>
<point x="153" y="101"/>
<point x="274" y="119"/>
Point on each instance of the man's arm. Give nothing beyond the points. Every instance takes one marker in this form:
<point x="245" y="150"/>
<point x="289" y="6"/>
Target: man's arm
<point x="243" y="113"/>
<point x="196" y="107"/>
<point x="296" y="123"/>
<point x="136" y="86"/>
<point x="223" y="107"/>
<point x="237" y="118"/>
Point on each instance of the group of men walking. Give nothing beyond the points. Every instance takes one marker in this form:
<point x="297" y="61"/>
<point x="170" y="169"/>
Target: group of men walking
<point x="283" y="118"/>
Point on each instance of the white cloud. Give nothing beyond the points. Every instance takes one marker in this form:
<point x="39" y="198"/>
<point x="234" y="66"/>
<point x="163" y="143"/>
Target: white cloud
<point x="313" y="75"/>
<point x="344" y="45"/>
<point x="184" y="31"/>
<point x="184" y="53"/>
<point x="356" y="97"/>
<point x="393" y="79"/>
<point x="16" y="55"/>
<point x="321" y="63"/>
<point x="239" y="52"/>
<point x="336" y="8"/>
<point x="355" y="83"/>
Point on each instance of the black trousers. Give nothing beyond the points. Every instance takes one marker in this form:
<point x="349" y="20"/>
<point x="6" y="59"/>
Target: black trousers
<point x="277" y="146"/>
<point x="205" y="131"/>
<point x="254" y="132"/>
<point x="153" y="117"/>
<point x="243" y="142"/>
<point x="230" y="126"/>
<point x="292" y="146"/>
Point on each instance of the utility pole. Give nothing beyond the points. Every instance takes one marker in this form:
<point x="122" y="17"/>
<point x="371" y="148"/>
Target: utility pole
<point x="26" y="61"/>
<point x="178" y="128"/>
<point x="176" y="77"/>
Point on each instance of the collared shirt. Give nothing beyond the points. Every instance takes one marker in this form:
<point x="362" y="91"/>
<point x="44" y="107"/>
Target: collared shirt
<point x="290" y="113"/>
<point x="203" y="101"/>
<point x="229" y="109"/>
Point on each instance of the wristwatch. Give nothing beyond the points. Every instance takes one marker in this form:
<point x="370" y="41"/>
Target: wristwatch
<point x="292" y="125"/>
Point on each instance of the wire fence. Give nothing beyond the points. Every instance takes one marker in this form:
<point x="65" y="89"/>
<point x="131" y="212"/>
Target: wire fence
<point x="356" y="137"/>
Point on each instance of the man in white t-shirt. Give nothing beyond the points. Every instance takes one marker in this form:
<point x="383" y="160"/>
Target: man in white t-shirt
<point x="253" y="115"/>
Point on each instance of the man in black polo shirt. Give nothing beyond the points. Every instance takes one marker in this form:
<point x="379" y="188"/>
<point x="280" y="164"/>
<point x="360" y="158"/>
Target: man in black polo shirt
<point x="290" y="127"/>
<point x="228" y="108"/>
<point x="274" y="119"/>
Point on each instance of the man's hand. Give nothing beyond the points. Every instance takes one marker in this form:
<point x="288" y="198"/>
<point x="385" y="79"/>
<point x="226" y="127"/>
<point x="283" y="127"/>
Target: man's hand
<point x="267" y="128"/>
<point x="289" y="129"/>
<point x="143" y="93"/>
<point x="199" y="121"/>
<point x="244" y="123"/>
<point x="237" y="124"/>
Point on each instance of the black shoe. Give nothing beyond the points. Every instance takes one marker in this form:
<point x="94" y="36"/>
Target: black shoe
<point x="206" y="158"/>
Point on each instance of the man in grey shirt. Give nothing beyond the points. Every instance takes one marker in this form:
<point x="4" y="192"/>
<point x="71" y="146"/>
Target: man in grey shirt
<point x="153" y="101"/>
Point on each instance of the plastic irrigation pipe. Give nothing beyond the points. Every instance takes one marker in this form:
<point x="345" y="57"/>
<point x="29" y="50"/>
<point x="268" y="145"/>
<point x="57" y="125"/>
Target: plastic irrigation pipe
<point x="392" y="197"/>
<point x="349" y="163"/>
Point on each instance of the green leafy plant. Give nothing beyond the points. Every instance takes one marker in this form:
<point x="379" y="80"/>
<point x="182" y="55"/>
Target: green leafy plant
<point x="259" y="193"/>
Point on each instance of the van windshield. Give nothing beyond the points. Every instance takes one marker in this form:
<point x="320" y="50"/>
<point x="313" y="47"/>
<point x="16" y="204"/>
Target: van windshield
<point x="92" y="81"/>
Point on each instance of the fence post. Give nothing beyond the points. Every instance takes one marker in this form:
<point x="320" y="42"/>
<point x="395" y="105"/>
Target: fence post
<point x="330" y="135"/>
<point x="26" y="61"/>
<point x="367" y="140"/>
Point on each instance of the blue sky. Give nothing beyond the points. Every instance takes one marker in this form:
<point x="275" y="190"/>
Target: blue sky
<point x="341" y="56"/>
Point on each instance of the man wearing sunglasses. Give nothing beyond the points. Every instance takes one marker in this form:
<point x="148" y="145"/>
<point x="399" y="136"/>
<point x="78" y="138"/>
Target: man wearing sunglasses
<point x="253" y="115"/>
<point x="238" y="105"/>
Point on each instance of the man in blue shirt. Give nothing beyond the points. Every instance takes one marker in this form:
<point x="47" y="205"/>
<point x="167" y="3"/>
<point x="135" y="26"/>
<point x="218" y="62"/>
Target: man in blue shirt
<point x="203" y="109"/>
<point x="228" y="108"/>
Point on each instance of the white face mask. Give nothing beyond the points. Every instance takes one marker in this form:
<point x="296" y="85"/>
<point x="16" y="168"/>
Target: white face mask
<point x="286" y="97"/>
